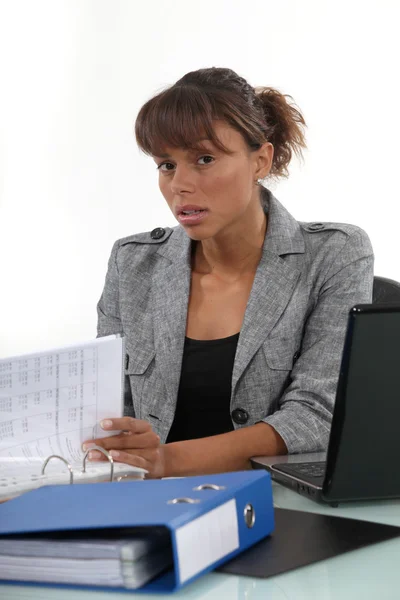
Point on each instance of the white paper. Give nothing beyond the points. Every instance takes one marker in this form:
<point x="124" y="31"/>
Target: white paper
<point x="50" y="402"/>
<point x="206" y="539"/>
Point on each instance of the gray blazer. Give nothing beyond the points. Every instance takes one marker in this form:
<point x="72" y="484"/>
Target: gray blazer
<point x="288" y="355"/>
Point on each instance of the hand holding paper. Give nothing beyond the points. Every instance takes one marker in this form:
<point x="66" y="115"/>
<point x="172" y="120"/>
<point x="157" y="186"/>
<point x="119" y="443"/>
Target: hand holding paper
<point x="50" y="402"/>
<point x="136" y="445"/>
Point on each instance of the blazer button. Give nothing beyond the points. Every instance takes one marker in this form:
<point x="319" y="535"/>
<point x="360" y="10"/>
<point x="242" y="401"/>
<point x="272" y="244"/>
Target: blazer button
<point x="316" y="226"/>
<point x="240" y="416"/>
<point x="157" y="233"/>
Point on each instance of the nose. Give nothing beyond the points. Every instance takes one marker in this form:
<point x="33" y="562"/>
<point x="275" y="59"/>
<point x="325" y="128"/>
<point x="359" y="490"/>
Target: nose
<point x="182" y="180"/>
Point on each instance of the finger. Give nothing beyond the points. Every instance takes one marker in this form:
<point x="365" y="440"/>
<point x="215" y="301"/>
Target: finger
<point x="91" y="443"/>
<point x="126" y="424"/>
<point x="131" y="426"/>
<point x="150" y="457"/>
<point x="121" y="442"/>
<point x="136" y="441"/>
<point x="135" y="460"/>
<point x="105" y="443"/>
<point x="96" y="456"/>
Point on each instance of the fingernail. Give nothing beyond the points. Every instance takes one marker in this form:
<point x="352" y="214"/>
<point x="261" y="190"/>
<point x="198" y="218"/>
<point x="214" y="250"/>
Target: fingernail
<point x="106" y="424"/>
<point x="93" y="454"/>
<point x="114" y="453"/>
<point x="87" y="446"/>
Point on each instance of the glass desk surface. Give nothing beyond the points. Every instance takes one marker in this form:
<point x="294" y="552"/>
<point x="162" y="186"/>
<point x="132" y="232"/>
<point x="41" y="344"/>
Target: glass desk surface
<point x="369" y="573"/>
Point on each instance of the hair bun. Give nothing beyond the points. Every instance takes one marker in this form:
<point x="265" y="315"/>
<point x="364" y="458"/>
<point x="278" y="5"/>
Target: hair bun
<point x="286" y="126"/>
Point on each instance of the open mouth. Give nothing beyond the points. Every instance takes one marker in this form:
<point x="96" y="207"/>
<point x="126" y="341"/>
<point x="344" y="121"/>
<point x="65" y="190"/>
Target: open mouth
<point x="192" y="212"/>
<point x="192" y="216"/>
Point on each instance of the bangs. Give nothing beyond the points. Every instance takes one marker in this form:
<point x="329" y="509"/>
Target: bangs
<point x="180" y="117"/>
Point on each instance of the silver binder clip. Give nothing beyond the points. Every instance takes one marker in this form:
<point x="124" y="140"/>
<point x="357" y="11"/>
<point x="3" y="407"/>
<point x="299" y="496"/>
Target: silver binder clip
<point x="48" y="459"/>
<point x="208" y="486"/>
<point x="184" y="501"/>
<point x="110" y="458"/>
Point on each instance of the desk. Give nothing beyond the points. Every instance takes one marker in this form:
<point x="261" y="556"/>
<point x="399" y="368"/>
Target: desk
<point x="372" y="573"/>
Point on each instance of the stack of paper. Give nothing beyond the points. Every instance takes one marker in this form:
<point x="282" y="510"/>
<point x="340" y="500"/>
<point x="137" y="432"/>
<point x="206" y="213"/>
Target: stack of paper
<point x="51" y="402"/>
<point x="118" y="559"/>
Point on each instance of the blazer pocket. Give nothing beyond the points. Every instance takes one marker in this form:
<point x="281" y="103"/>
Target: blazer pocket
<point x="279" y="354"/>
<point x="138" y="359"/>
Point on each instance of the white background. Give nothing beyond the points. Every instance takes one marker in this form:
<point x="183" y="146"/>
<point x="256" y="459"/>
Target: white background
<point x="73" y="75"/>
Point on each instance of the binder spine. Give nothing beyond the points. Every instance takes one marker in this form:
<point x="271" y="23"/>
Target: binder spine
<point x="217" y="535"/>
<point x="244" y="517"/>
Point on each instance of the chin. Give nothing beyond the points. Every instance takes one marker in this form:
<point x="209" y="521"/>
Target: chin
<point x="199" y="233"/>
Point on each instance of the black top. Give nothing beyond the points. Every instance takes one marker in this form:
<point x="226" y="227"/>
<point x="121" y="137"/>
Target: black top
<point x="203" y="404"/>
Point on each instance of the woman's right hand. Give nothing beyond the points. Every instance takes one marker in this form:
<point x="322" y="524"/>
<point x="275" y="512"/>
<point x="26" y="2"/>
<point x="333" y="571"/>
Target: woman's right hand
<point x="136" y="445"/>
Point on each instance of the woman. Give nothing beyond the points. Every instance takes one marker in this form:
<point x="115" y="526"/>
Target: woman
<point x="235" y="319"/>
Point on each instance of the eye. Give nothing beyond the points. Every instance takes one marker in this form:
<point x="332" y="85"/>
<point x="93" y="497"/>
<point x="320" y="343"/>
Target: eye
<point x="169" y="166"/>
<point x="164" y="164"/>
<point x="207" y="156"/>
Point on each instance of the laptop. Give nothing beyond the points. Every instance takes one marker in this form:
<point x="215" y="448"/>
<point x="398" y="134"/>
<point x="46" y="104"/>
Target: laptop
<point x="363" y="456"/>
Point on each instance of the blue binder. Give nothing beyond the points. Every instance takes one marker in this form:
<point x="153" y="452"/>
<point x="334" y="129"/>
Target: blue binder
<point x="210" y="518"/>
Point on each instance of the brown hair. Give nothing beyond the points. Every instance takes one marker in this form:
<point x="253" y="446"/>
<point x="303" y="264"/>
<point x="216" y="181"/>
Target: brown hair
<point x="184" y="112"/>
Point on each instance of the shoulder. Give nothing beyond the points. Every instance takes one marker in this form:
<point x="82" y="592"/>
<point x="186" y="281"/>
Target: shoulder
<point x="336" y="237"/>
<point x="319" y="227"/>
<point x="139" y="247"/>
<point x="159" y="235"/>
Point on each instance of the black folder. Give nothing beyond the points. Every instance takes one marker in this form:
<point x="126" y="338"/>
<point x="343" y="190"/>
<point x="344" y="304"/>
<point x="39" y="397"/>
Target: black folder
<point x="302" y="538"/>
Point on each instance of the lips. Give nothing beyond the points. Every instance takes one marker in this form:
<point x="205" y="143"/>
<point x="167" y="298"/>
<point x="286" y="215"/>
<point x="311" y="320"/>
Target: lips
<point x="188" y="209"/>
<point x="190" y="214"/>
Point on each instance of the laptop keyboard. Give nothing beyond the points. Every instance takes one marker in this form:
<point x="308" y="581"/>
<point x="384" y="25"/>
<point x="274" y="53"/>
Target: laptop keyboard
<point x="314" y="471"/>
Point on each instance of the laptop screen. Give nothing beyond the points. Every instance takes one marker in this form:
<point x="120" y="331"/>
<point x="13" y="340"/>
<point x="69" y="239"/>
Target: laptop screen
<point x="364" y="448"/>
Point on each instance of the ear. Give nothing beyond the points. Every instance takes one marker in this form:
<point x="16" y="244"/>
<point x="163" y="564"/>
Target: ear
<point x="263" y="160"/>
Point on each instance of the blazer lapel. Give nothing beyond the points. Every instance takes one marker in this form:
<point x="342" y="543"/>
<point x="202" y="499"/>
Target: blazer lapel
<point x="272" y="289"/>
<point x="273" y="285"/>
<point x="170" y="296"/>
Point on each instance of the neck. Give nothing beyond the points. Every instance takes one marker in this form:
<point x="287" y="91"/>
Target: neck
<point x="233" y="252"/>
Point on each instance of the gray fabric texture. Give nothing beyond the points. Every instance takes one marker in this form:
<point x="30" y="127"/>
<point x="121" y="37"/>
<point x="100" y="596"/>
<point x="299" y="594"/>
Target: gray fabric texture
<point x="289" y="351"/>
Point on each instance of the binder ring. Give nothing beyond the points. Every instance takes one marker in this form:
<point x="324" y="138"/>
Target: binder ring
<point x="184" y="501"/>
<point x="48" y="459"/>
<point x="208" y="486"/>
<point x="249" y="515"/>
<point x="110" y="458"/>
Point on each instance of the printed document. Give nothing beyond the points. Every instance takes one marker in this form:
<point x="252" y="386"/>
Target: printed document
<point x="52" y="401"/>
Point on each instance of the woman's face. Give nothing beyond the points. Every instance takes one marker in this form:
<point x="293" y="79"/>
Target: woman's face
<point x="211" y="192"/>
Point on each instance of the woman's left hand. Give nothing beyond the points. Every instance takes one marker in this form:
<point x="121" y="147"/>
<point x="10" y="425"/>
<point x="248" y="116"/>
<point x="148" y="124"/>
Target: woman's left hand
<point x="136" y="445"/>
